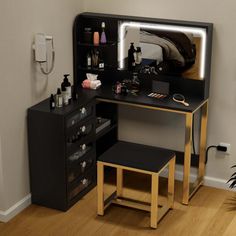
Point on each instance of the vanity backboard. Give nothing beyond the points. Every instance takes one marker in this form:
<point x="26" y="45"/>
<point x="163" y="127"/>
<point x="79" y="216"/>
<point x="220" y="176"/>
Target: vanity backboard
<point x="183" y="45"/>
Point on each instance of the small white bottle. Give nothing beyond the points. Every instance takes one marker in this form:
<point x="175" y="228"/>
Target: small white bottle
<point x="138" y="56"/>
<point x="59" y="100"/>
<point x="65" y="95"/>
<point x="89" y="60"/>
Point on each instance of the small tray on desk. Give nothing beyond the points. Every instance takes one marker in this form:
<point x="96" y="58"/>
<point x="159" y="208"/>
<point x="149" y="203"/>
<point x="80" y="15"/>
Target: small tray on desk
<point x="102" y="123"/>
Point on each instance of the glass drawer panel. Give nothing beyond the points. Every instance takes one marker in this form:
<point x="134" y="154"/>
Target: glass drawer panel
<point x="80" y="115"/>
<point x="81" y="167"/>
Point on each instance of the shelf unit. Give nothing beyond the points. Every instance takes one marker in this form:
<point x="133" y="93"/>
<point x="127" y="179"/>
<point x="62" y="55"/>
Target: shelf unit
<point x="107" y="51"/>
<point x="109" y="135"/>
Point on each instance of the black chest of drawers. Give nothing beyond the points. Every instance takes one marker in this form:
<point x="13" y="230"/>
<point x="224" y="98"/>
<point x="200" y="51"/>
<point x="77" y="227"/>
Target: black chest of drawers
<point x="62" y="153"/>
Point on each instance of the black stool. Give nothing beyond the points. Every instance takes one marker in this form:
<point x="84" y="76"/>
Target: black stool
<point x="138" y="158"/>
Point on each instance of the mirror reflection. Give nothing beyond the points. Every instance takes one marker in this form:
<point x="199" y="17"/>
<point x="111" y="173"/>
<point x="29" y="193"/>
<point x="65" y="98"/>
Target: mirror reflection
<point x="162" y="49"/>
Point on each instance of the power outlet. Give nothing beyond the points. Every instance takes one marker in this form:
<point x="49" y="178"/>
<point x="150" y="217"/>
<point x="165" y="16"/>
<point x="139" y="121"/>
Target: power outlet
<point x="227" y="146"/>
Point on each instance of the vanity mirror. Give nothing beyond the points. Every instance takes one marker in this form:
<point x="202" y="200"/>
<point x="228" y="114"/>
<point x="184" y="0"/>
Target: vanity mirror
<point x="167" y="49"/>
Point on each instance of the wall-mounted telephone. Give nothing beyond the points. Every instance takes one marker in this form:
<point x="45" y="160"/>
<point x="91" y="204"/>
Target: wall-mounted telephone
<point x="40" y="49"/>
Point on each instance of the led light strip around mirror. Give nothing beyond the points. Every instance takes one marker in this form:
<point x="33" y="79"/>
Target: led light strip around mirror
<point x="184" y="29"/>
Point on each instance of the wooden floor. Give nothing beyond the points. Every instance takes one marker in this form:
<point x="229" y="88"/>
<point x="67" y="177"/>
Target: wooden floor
<point x="210" y="212"/>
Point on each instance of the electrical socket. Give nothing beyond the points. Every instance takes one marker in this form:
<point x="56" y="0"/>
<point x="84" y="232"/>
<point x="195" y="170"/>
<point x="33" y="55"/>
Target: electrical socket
<point x="227" y="146"/>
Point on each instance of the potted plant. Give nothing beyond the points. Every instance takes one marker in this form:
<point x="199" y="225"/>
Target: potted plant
<point x="232" y="179"/>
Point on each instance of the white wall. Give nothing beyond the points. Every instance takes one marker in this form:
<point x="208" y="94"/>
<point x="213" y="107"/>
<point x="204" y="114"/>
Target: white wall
<point x="142" y="127"/>
<point x="21" y="83"/>
<point x="2" y="200"/>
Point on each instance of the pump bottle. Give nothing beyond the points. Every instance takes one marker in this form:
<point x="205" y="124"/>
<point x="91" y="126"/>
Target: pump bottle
<point x="67" y="85"/>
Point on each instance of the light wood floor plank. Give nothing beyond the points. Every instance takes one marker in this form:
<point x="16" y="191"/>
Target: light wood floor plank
<point x="209" y="213"/>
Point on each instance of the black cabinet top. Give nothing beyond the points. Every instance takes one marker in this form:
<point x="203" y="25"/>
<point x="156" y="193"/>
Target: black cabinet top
<point x="43" y="106"/>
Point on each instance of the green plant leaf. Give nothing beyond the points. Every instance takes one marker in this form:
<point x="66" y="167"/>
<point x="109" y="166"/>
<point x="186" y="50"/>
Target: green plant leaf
<point x="232" y="185"/>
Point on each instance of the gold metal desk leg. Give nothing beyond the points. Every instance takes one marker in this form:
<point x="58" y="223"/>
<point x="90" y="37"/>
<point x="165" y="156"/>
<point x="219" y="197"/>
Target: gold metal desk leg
<point x="203" y="135"/>
<point x="100" y="188"/>
<point x="187" y="157"/>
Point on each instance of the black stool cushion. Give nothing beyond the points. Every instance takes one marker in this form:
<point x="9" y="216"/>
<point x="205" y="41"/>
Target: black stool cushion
<point x="137" y="156"/>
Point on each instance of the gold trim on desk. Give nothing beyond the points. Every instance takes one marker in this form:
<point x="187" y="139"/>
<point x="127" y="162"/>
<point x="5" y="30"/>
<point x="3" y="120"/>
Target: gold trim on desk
<point x="150" y="107"/>
<point x="141" y="106"/>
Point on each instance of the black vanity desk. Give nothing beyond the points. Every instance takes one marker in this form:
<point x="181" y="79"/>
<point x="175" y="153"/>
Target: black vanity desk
<point x="105" y="94"/>
<point x="196" y="83"/>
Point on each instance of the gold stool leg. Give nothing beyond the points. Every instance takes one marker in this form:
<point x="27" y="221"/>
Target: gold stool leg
<point x="119" y="182"/>
<point x="171" y="183"/>
<point x="154" y="200"/>
<point x="100" y="188"/>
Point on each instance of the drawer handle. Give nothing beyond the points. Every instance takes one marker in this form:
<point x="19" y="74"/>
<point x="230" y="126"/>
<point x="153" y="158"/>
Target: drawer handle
<point x="83" y="147"/>
<point x="84" y="182"/>
<point x="83" y="164"/>
<point x="83" y="110"/>
<point x="83" y="129"/>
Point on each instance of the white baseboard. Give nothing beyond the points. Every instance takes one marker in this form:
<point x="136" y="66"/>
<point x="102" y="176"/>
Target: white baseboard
<point x="5" y="216"/>
<point x="217" y="183"/>
<point x="208" y="181"/>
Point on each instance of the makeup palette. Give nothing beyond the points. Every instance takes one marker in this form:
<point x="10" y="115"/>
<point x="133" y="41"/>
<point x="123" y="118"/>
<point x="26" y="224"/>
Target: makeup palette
<point x="157" y="95"/>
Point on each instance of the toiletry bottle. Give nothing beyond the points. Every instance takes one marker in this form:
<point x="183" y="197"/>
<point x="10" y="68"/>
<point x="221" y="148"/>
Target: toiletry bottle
<point x="138" y="54"/>
<point x="96" y="38"/>
<point x="103" y="35"/>
<point x="131" y="60"/>
<point x="101" y="64"/>
<point x="65" y="96"/>
<point x="52" y="102"/>
<point x="59" y="101"/>
<point x="87" y="35"/>
<point x="67" y="85"/>
<point x="89" y="60"/>
<point x="95" y="58"/>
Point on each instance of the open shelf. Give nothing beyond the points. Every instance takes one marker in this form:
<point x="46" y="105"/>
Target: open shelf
<point x="105" y="131"/>
<point x="108" y="44"/>
<point x="107" y="67"/>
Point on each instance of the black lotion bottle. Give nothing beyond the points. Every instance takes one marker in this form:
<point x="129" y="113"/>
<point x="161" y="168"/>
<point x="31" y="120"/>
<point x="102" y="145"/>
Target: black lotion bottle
<point x="131" y="60"/>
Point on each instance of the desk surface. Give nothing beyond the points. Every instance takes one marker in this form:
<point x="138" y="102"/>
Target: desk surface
<point x="142" y="100"/>
<point x="105" y="93"/>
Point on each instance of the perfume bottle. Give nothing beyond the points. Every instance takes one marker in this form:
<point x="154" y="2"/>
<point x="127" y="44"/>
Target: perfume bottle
<point x="103" y="35"/>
